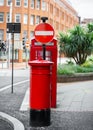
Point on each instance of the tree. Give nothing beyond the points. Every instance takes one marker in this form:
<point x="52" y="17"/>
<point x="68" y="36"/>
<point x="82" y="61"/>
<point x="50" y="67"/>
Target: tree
<point x="76" y="44"/>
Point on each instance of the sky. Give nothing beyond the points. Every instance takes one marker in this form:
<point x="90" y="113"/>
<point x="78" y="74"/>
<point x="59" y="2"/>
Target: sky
<point x="83" y="7"/>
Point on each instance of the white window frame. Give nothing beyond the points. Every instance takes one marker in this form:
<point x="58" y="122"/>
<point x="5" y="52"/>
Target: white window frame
<point x="32" y="19"/>
<point x="38" y="4"/>
<point x="18" y="17"/>
<point x="9" y="2"/>
<point x="44" y="5"/>
<point x="37" y="19"/>
<point x="16" y="3"/>
<point x="25" y="3"/>
<point x="32" y="4"/>
<point x="25" y="19"/>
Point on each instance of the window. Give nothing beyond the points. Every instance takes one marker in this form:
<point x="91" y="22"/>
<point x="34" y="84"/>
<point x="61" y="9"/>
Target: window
<point x="25" y="3"/>
<point x="17" y="18"/>
<point x="37" y="19"/>
<point x="1" y="2"/>
<point x="51" y="8"/>
<point x="43" y="5"/>
<point x="18" y="2"/>
<point x="9" y="2"/>
<point x="38" y="4"/>
<point x="63" y="15"/>
<point x="1" y="34"/>
<point x="8" y="18"/>
<point x="17" y="36"/>
<point x="32" y="20"/>
<point x="25" y="18"/>
<point x="32" y="4"/>
<point x="57" y="12"/>
<point x="31" y="34"/>
<point x="25" y="33"/>
<point x="1" y="17"/>
<point x="47" y="7"/>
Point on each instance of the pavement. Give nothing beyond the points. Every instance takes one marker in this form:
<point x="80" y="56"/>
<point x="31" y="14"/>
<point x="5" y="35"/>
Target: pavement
<point x="74" y="104"/>
<point x="4" y="65"/>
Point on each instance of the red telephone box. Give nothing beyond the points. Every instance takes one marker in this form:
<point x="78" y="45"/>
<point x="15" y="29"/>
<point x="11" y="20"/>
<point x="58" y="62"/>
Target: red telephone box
<point x="36" y="52"/>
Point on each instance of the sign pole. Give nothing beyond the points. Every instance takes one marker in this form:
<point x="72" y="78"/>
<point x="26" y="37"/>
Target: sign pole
<point x="44" y="51"/>
<point x="13" y="28"/>
<point x="12" y="61"/>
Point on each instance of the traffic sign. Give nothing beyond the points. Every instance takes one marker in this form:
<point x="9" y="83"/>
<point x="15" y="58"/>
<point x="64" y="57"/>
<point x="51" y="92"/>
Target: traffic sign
<point x="44" y="33"/>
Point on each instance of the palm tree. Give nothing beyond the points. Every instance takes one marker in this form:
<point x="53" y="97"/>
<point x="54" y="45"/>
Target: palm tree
<point x="76" y="44"/>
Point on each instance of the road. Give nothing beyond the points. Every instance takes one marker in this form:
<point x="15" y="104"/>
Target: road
<point x="74" y="102"/>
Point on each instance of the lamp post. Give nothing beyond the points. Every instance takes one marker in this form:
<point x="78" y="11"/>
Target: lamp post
<point x="9" y="37"/>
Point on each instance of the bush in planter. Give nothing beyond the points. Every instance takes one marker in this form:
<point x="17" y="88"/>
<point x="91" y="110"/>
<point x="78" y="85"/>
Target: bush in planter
<point x="65" y="69"/>
<point x="68" y="69"/>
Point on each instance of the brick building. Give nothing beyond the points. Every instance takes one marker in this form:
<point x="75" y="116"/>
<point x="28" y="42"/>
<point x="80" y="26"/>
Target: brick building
<point x="60" y="14"/>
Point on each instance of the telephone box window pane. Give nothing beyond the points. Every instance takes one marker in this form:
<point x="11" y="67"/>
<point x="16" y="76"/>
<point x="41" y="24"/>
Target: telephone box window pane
<point x="39" y="54"/>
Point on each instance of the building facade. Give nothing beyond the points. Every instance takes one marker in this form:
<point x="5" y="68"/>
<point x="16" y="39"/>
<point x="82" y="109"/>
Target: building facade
<point x="86" y="21"/>
<point x="61" y="15"/>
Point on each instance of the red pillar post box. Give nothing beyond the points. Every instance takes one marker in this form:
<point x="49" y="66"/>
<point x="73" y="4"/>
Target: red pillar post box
<point x="40" y="93"/>
<point x="51" y="55"/>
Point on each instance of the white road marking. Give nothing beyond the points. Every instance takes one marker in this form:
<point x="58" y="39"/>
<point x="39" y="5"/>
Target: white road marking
<point x="9" y="86"/>
<point x="25" y="103"/>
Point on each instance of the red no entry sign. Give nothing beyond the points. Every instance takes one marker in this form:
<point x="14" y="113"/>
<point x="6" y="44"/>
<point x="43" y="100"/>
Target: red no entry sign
<point x="44" y="33"/>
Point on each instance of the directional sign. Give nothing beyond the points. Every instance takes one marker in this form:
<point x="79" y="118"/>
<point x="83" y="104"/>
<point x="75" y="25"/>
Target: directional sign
<point x="13" y="27"/>
<point x="44" y="33"/>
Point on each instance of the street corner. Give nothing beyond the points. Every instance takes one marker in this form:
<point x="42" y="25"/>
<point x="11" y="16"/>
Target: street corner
<point x="10" y="123"/>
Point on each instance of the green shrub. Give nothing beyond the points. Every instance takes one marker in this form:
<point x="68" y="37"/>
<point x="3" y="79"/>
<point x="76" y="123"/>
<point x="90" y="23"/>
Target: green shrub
<point x="68" y="69"/>
<point x="88" y="64"/>
<point x="65" y="69"/>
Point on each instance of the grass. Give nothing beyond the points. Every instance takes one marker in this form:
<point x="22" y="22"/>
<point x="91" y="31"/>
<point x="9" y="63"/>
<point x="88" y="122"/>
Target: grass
<point x="71" y="69"/>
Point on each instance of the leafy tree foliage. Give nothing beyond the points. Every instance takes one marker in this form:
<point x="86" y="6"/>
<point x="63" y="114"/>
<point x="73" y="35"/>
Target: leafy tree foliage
<point x="77" y="43"/>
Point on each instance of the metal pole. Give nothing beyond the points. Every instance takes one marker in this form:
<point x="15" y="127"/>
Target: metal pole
<point x="8" y="54"/>
<point x="44" y="52"/>
<point x="12" y="61"/>
<point x="26" y="57"/>
<point x="2" y="58"/>
<point x="9" y="38"/>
